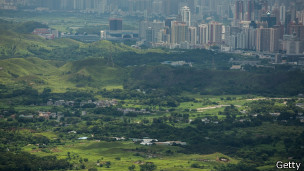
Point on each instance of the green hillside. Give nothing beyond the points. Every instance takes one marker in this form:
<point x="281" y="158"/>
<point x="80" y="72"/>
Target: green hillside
<point x="94" y="72"/>
<point x="26" y="44"/>
<point x="62" y="64"/>
<point x="16" y="40"/>
<point x="40" y="74"/>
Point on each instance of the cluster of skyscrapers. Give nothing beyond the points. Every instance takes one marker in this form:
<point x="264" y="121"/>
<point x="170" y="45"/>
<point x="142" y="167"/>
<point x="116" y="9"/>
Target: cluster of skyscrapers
<point x="181" y="34"/>
<point x="267" y="27"/>
<point x="264" y="26"/>
<point x="257" y="25"/>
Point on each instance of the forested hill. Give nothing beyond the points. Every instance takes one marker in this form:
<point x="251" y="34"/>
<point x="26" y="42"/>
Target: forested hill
<point x="16" y="41"/>
<point x="217" y="82"/>
<point x="61" y="64"/>
<point x="97" y="73"/>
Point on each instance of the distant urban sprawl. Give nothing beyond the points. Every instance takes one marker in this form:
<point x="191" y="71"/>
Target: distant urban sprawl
<point x="273" y="27"/>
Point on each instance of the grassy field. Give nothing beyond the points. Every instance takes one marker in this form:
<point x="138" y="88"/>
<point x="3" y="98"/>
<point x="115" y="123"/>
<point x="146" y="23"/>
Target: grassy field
<point x="126" y="153"/>
<point x="207" y="105"/>
<point x="122" y="154"/>
<point x="41" y="74"/>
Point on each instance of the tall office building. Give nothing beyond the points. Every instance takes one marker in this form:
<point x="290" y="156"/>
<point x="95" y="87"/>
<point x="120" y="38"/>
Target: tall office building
<point x="282" y="13"/>
<point x="115" y="24"/>
<point x="239" y="10"/>
<point x="150" y="34"/>
<point x="263" y="39"/>
<point x="274" y="40"/>
<point x="241" y="40"/>
<point x="215" y="32"/>
<point x="252" y="39"/>
<point x="237" y="38"/>
<point x="192" y="39"/>
<point x="156" y="26"/>
<point x="179" y="32"/>
<point x="293" y="11"/>
<point x="251" y="10"/>
<point x="143" y="26"/>
<point x="203" y="34"/>
<point x="186" y="15"/>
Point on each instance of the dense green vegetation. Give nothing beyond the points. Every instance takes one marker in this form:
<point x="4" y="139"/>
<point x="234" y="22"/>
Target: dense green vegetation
<point x="25" y="161"/>
<point x="54" y="92"/>
<point x="218" y="82"/>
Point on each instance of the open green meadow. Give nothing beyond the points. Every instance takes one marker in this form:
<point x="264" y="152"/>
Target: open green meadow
<point x="124" y="154"/>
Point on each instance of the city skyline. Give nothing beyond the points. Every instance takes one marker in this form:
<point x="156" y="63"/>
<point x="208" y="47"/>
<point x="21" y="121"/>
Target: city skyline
<point x="256" y="25"/>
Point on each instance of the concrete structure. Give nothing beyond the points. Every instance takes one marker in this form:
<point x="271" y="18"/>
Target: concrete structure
<point x="115" y="24"/>
<point x="263" y="39"/>
<point x="192" y="39"/>
<point x="150" y="35"/>
<point x="179" y="32"/>
<point x="239" y="10"/>
<point x="215" y="32"/>
<point x="203" y="34"/>
<point x="292" y="45"/>
<point x="274" y="40"/>
<point x="282" y="14"/>
<point x="186" y="15"/>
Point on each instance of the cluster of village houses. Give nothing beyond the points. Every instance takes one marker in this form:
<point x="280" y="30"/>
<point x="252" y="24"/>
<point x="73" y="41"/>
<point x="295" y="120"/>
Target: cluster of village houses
<point x="45" y="115"/>
<point x="113" y="102"/>
<point x="46" y="33"/>
<point x="99" y="103"/>
<point x="58" y="115"/>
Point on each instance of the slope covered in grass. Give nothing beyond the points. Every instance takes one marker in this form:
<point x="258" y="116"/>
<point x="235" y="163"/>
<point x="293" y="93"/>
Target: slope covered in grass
<point x="16" y="40"/>
<point x="94" y="72"/>
<point x="39" y="73"/>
